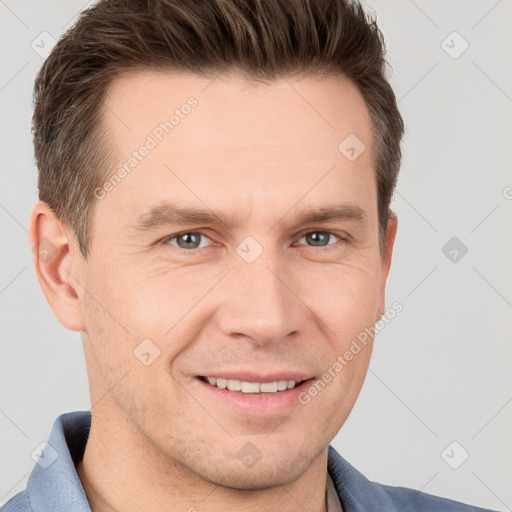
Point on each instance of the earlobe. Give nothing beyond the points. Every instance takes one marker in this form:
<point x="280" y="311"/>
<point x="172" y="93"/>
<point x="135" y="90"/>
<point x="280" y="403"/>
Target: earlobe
<point x="58" y="265"/>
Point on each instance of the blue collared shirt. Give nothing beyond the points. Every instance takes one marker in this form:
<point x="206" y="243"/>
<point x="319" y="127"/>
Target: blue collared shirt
<point x="54" y="484"/>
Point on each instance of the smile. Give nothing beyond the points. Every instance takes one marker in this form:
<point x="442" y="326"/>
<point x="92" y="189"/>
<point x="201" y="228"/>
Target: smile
<point x="252" y="387"/>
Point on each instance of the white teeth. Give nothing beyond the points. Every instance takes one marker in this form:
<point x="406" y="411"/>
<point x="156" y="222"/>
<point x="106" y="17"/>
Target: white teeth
<point x="282" y="385"/>
<point x="252" y="387"/>
<point x="233" y="385"/>
<point x="268" y="387"/>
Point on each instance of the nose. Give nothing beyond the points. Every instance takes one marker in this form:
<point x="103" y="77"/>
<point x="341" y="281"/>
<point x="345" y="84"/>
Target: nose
<point x="262" y="301"/>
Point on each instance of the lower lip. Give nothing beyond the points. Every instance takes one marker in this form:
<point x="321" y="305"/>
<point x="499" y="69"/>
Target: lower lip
<point x="257" y="403"/>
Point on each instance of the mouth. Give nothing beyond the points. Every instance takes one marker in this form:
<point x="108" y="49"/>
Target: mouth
<point x="247" y="393"/>
<point x="257" y="388"/>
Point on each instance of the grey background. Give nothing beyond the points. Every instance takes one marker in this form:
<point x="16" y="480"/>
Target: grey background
<point x="441" y="370"/>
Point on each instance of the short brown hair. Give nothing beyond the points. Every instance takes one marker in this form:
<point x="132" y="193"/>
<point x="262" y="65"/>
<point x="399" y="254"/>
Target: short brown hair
<point x="263" y="39"/>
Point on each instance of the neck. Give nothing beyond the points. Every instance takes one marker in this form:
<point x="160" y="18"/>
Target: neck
<point x="122" y="471"/>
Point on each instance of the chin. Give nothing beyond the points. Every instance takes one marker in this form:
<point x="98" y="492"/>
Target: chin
<point x="266" y="472"/>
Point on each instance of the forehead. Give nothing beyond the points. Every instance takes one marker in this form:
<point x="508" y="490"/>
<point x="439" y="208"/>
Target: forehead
<point x="233" y="112"/>
<point x="213" y="139"/>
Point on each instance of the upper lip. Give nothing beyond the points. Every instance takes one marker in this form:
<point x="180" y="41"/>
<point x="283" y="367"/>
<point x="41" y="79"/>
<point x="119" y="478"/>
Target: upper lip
<point x="251" y="376"/>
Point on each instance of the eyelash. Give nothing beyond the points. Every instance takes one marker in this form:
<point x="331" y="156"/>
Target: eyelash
<point x="328" y="247"/>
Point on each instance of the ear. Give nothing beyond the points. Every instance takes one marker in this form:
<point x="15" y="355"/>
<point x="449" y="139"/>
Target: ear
<point x="386" y="261"/>
<point x="59" y="265"/>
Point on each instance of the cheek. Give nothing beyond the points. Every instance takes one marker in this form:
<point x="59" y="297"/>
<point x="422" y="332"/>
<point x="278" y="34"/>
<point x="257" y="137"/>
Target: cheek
<point x="147" y="318"/>
<point x="344" y="298"/>
<point x="106" y="342"/>
<point x="162" y="306"/>
<point x="114" y="328"/>
<point x="130" y="358"/>
<point x="143" y="304"/>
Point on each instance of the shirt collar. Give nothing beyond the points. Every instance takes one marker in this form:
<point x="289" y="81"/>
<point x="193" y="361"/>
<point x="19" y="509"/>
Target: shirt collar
<point x="54" y="483"/>
<point x="356" y="493"/>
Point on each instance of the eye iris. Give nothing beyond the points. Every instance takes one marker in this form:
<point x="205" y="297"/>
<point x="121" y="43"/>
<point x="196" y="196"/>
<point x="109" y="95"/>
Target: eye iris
<point x="191" y="240"/>
<point x="318" y="236"/>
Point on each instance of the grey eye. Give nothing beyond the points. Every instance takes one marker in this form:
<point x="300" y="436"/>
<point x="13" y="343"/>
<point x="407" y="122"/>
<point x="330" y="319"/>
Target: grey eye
<point x="189" y="240"/>
<point x="319" y="238"/>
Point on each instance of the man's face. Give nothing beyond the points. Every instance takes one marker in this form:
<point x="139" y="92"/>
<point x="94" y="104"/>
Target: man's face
<point x="266" y="298"/>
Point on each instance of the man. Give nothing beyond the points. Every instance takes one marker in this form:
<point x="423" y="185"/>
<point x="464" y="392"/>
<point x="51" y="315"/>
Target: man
<point x="214" y="181"/>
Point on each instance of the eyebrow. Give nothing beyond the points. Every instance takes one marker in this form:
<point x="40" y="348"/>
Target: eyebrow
<point x="165" y="214"/>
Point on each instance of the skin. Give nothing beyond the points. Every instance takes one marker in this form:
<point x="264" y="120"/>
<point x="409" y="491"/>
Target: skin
<point x="259" y="153"/>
